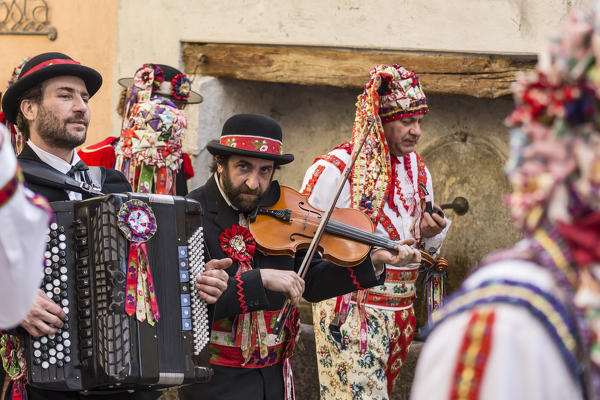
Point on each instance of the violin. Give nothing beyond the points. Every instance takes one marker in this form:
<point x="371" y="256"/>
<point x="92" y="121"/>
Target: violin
<point x="291" y="223"/>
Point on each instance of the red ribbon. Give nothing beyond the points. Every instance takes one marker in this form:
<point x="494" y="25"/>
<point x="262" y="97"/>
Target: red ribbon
<point x="138" y="263"/>
<point x="252" y="143"/>
<point x="49" y="63"/>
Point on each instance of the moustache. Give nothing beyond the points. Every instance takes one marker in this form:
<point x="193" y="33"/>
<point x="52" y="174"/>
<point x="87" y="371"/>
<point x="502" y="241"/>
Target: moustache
<point x="246" y="190"/>
<point x="83" y="120"/>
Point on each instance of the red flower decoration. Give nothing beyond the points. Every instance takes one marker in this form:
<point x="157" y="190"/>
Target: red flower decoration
<point x="181" y="87"/>
<point x="583" y="238"/>
<point x="238" y="244"/>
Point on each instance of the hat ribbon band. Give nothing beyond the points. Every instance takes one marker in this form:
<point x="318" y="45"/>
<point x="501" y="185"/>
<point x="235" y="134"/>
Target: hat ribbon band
<point x="252" y="143"/>
<point x="49" y="63"/>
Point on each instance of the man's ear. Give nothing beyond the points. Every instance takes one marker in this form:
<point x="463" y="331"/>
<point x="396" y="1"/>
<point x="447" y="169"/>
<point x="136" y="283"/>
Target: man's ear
<point x="219" y="165"/>
<point x="29" y="109"/>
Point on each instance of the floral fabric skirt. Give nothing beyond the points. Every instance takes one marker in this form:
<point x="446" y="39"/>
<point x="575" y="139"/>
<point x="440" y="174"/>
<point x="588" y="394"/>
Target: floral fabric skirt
<point x="345" y="373"/>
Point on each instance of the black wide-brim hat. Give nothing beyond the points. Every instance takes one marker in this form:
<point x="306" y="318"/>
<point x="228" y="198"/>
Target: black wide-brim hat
<point x="251" y="135"/>
<point x="41" y="68"/>
<point x="168" y="74"/>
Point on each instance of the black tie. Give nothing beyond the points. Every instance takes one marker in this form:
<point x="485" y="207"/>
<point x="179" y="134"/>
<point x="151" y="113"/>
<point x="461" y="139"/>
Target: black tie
<point x="79" y="166"/>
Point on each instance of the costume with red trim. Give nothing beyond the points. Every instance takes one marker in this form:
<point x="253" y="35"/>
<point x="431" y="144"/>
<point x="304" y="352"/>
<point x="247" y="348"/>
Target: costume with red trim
<point x="101" y="154"/>
<point x="376" y="326"/>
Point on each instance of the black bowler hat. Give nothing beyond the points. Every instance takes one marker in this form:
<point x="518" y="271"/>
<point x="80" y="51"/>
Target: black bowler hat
<point x="251" y="135"/>
<point x="41" y="68"/>
<point x="168" y="86"/>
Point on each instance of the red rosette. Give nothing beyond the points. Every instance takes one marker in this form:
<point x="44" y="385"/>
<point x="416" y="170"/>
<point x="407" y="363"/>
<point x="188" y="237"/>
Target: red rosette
<point x="238" y="243"/>
<point x="181" y="87"/>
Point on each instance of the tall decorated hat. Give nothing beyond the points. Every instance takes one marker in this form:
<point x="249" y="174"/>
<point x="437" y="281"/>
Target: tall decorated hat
<point x="251" y="135"/>
<point x="393" y="92"/>
<point x="41" y="68"/>
<point x="149" y="148"/>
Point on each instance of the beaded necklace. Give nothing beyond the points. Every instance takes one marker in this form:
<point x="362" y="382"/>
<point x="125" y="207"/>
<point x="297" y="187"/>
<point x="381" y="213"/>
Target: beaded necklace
<point x="409" y="201"/>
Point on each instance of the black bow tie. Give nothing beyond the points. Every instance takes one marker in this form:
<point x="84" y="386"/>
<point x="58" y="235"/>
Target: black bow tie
<point x="79" y="166"/>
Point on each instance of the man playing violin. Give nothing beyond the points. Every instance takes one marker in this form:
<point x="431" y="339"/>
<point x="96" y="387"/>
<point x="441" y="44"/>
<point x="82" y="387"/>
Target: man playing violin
<point x="366" y="334"/>
<point x="248" y="361"/>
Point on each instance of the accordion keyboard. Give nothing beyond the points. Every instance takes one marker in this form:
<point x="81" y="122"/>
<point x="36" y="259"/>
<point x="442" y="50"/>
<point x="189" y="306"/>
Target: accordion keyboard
<point x="199" y="310"/>
<point x="55" y="350"/>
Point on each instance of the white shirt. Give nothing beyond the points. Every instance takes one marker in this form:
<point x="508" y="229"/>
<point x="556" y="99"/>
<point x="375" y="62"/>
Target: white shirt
<point x="60" y="165"/>
<point x="22" y="244"/>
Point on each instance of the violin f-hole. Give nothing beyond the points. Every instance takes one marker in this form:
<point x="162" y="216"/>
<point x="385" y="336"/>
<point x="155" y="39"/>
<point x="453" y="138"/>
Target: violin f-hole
<point x="307" y="215"/>
<point x="299" y="234"/>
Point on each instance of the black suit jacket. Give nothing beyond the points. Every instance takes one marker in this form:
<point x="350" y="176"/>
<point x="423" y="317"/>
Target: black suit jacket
<point x="114" y="182"/>
<point x="322" y="281"/>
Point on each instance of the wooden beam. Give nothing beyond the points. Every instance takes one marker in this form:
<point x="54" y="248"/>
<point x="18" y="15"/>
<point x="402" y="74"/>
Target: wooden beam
<point x="483" y="76"/>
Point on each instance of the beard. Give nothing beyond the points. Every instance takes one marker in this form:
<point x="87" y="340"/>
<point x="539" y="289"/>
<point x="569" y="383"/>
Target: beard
<point x="234" y="194"/>
<point x="54" y="132"/>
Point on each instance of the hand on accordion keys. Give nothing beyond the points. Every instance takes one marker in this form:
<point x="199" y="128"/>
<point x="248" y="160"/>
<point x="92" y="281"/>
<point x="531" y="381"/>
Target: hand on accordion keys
<point x="45" y="316"/>
<point x="213" y="281"/>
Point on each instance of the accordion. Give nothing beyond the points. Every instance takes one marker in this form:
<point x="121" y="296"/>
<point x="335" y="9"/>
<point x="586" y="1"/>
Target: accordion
<point x="101" y="346"/>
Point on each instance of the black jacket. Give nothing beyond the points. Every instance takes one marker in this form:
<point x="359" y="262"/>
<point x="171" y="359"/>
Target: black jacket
<point x="322" y="281"/>
<point x="114" y="182"/>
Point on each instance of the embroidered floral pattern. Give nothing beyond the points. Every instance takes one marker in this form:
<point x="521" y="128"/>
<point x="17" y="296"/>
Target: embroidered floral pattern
<point x="346" y="374"/>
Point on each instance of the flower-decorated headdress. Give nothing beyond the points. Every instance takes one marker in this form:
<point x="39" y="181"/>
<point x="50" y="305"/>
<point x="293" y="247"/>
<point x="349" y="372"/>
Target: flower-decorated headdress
<point x="392" y="93"/>
<point x="402" y="96"/>
<point x="149" y="149"/>
<point x="555" y="168"/>
<point x="555" y="140"/>
<point x="151" y="80"/>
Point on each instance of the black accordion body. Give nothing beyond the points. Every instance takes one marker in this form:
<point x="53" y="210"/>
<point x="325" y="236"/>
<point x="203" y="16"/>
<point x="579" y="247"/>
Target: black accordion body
<point x="101" y="346"/>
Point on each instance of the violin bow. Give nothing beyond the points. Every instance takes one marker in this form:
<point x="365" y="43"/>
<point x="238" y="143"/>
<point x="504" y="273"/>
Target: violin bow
<point x="285" y="312"/>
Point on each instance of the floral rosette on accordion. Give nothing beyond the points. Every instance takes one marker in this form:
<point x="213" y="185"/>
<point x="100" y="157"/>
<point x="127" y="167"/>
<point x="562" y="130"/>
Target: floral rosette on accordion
<point x="138" y="223"/>
<point x="149" y="149"/>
